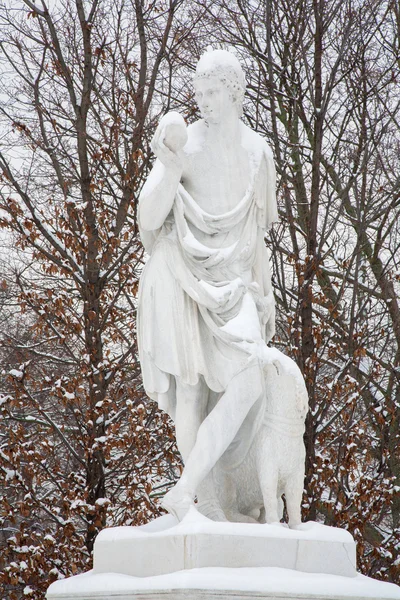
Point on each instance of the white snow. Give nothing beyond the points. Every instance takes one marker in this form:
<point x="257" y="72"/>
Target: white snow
<point x="172" y="118"/>
<point x="77" y="503"/>
<point x="49" y="538"/>
<point x="219" y="60"/>
<point x="269" y="581"/>
<point x="220" y="293"/>
<point x="10" y="474"/>
<point x="246" y="324"/>
<point x="189" y="241"/>
<point x="16" y="373"/>
<point x="56" y="572"/>
<point x="194" y="522"/>
<point x="102" y="501"/>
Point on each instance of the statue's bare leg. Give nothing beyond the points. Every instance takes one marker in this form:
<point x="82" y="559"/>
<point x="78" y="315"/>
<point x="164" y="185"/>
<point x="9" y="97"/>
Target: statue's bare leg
<point x="215" y="434"/>
<point x="191" y="410"/>
<point x="208" y="502"/>
<point x="192" y="406"/>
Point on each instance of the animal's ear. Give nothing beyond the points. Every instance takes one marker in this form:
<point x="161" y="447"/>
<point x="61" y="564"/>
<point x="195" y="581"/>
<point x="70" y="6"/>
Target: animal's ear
<point x="277" y="366"/>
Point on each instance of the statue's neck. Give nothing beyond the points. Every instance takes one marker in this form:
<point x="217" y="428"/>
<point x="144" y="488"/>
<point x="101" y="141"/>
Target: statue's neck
<point x="228" y="131"/>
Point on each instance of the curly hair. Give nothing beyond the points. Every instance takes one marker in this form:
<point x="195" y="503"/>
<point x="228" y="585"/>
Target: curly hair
<point x="223" y="65"/>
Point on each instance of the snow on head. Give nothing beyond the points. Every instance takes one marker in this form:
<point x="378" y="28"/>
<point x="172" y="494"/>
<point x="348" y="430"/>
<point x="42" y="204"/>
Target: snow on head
<point x="225" y="66"/>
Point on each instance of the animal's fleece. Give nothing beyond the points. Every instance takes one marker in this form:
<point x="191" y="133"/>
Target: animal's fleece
<point x="275" y="462"/>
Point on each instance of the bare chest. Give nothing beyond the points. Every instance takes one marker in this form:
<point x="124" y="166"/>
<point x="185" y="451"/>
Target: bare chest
<point x="217" y="177"/>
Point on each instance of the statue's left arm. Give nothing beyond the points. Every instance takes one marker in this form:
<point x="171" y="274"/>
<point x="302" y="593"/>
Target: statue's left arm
<point x="266" y="190"/>
<point x="267" y="213"/>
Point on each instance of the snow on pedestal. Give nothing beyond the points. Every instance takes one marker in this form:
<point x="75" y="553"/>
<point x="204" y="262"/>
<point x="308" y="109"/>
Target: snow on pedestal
<point x="197" y="542"/>
<point x="199" y="558"/>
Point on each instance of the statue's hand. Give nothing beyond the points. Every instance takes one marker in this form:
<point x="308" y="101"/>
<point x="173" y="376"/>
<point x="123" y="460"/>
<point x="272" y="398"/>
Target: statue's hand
<point x="168" y="142"/>
<point x="266" y="306"/>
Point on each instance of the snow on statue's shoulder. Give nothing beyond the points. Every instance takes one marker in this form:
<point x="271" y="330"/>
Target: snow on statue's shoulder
<point x="251" y="140"/>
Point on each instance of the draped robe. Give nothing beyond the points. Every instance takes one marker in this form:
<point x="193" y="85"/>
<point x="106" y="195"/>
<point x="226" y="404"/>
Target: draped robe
<point x="205" y="300"/>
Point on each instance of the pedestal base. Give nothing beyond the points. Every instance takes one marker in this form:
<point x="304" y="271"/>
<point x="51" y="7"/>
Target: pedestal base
<point x="222" y="584"/>
<point x="166" y="546"/>
<point x="199" y="559"/>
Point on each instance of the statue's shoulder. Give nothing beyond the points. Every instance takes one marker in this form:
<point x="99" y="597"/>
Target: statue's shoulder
<point x="196" y="137"/>
<point x="254" y="141"/>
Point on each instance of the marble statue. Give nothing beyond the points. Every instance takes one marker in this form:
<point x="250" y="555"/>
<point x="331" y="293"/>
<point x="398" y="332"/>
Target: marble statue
<point x="206" y="306"/>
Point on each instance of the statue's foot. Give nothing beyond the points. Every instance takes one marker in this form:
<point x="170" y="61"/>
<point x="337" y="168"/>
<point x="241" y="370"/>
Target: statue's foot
<point x="177" y="502"/>
<point x="211" y="509"/>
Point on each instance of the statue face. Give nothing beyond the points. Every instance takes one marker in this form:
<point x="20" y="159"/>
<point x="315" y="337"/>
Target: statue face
<point x="214" y="100"/>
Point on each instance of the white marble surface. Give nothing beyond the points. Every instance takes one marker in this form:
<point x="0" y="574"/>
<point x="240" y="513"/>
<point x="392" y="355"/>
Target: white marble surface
<point x="166" y="546"/>
<point x="206" y="308"/>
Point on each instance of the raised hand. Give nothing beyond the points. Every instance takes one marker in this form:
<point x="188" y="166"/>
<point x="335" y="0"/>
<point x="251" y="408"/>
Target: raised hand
<point x="169" y="139"/>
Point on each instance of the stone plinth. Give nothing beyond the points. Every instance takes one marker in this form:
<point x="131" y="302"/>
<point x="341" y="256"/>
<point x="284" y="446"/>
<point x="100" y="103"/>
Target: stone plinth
<point x="165" y="546"/>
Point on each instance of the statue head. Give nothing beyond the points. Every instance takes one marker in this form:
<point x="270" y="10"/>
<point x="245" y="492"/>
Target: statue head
<point x="224" y="66"/>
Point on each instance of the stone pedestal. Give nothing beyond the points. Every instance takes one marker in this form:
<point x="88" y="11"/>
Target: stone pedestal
<point x="197" y="542"/>
<point x="199" y="559"/>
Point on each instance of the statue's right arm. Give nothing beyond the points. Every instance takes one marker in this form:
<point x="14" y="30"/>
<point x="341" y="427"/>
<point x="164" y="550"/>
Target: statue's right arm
<point x="158" y="194"/>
